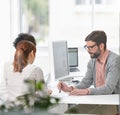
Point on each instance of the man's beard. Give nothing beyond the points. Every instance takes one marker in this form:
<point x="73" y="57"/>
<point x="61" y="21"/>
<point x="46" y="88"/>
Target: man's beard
<point x="94" y="55"/>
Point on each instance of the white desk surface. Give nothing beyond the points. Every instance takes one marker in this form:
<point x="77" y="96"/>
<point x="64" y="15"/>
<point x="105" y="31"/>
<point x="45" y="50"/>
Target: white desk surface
<point x="113" y="99"/>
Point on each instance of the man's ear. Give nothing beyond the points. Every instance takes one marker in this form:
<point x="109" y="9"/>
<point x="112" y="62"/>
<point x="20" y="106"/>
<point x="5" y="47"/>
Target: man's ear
<point x="101" y="46"/>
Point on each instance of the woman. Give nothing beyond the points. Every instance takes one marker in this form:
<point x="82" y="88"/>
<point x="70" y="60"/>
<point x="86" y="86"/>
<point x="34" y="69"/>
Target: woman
<point x="22" y="69"/>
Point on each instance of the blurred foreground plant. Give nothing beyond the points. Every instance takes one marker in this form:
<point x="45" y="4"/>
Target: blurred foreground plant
<point x="31" y="102"/>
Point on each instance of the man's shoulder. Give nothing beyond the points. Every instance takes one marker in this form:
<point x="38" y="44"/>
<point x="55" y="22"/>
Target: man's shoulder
<point x="113" y="55"/>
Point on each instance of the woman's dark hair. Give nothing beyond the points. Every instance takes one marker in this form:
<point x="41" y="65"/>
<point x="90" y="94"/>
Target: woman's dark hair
<point x="22" y="52"/>
<point x="24" y="36"/>
<point x="98" y="37"/>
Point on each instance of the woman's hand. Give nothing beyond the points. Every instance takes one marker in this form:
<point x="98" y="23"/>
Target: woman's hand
<point x="49" y="91"/>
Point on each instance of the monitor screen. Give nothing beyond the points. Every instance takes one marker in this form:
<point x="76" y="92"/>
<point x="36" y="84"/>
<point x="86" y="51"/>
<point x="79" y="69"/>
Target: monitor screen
<point x="73" y="57"/>
<point x="60" y="59"/>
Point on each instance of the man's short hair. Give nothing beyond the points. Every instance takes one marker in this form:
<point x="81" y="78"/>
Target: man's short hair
<point x="97" y="36"/>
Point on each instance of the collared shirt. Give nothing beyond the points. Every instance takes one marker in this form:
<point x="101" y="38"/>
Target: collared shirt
<point x="100" y="69"/>
<point x="112" y="76"/>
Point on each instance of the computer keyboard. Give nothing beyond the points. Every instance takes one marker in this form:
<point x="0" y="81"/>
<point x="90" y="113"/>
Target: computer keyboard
<point x="75" y="69"/>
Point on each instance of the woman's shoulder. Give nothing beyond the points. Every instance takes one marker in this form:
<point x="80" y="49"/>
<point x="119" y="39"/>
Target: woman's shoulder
<point x="33" y="69"/>
<point x="8" y="63"/>
<point x="8" y="66"/>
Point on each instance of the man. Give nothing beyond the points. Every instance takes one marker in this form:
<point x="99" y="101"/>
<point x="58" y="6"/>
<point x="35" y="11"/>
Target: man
<point x="103" y="71"/>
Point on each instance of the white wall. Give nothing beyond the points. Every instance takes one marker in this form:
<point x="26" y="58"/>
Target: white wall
<point x="72" y="22"/>
<point x="65" y="24"/>
<point x="4" y="33"/>
<point x="9" y="28"/>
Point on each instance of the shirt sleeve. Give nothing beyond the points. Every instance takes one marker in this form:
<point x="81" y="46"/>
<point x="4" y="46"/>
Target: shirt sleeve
<point x="3" y="89"/>
<point x="38" y="74"/>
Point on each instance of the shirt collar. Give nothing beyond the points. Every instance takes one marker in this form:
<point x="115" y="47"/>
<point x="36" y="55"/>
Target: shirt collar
<point x="103" y="59"/>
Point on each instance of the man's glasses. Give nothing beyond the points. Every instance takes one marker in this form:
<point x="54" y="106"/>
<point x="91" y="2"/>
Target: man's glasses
<point x="89" y="47"/>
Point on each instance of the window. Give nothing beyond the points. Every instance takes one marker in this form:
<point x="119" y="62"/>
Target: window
<point x="80" y="2"/>
<point x="84" y="2"/>
<point x="35" y="17"/>
<point x="100" y="14"/>
<point x="71" y="20"/>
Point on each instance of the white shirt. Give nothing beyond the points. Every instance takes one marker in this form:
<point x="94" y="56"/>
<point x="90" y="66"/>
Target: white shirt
<point x="15" y="84"/>
<point x="3" y="92"/>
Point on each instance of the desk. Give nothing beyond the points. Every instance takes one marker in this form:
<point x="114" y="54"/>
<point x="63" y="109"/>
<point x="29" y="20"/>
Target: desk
<point x="112" y="99"/>
<point x="92" y="99"/>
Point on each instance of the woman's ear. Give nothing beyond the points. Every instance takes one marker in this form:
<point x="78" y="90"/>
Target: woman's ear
<point x="31" y="57"/>
<point x="32" y="54"/>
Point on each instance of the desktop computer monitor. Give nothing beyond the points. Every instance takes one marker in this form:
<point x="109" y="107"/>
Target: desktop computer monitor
<point x="60" y="59"/>
<point x="73" y="58"/>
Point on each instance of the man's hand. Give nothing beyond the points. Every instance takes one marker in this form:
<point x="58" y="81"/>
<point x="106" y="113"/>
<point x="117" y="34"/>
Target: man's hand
<point x="62" y="86"/>
<point x="79" y="92"/>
